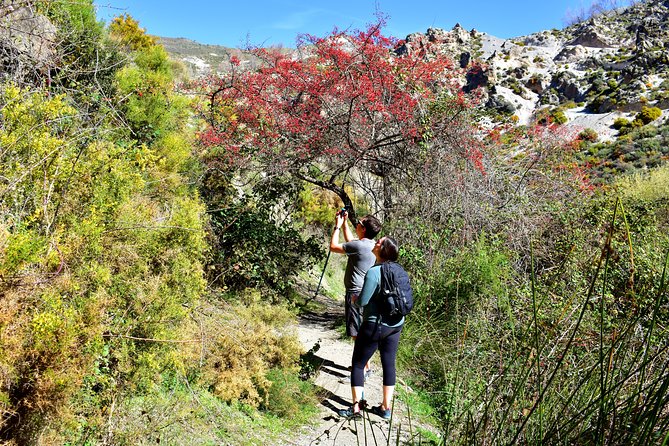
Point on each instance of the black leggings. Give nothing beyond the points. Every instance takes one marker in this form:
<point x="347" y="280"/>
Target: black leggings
<point x="373" y="336"/>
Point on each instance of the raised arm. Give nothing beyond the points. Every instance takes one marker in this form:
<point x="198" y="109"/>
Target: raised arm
<point x="335" y="246"/>
<point x="348" y="234"/>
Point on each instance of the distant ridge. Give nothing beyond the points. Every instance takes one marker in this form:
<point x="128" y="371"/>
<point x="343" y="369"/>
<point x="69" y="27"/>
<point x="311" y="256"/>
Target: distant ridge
<point x="200" y="58"/>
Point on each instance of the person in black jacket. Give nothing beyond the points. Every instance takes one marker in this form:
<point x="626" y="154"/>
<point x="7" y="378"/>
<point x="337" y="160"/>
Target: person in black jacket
<point x="375" y="333"/>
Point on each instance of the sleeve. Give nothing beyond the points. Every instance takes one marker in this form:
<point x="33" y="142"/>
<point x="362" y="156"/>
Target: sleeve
<point x="351" y="247"/>
<point x="371" y="286"/>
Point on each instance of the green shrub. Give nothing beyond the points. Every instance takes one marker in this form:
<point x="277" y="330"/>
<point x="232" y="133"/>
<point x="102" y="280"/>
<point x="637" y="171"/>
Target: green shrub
<point x="648" y="187"/>
<point x="126" y="30"/>
<point x="636" y="123"/>
<point x="145" y="91"/>
<point x="516" y="88"/>
<point x="86" y="61"/>
<point x="510" y="382"/>
<point x="289" y="397"/>
<point x="560" y="117"/>
<point x="619" y="123"/>
<point x="551" y="115"/>
<point x="242" y="371"/>
<point x="595" y="102"/>
<point x="317" y="205"/>
<point x="19" y="250"/>
<point x="102" y="238"/>
<point x="644" y="132"/>
<point x="256" y="246"/>
<point x="588" y="135"/>
<point x="649" y="114"/>
<point x="477" y="271"/>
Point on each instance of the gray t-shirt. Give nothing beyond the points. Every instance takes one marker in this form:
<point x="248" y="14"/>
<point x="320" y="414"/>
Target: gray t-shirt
<point x="360" y="259"/>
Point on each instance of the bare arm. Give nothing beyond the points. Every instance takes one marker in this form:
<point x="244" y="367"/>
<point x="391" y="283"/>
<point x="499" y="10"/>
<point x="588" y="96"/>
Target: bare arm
<point x="335" y="246"/>
<point x="348" y="234"/>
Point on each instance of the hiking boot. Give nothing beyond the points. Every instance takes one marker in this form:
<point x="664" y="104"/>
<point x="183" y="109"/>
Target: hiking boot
<point x="349" y="413"/>
<point x="383" y="413"/>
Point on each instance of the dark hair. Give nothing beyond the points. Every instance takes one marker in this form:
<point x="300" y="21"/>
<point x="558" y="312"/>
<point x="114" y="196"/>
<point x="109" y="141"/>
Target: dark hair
<point x="389" y="249"/>
<point x="372" y="226"/>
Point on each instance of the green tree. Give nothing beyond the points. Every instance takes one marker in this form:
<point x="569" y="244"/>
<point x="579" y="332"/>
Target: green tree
<point x="127" y="31"/>
<point x="102" y="235"/>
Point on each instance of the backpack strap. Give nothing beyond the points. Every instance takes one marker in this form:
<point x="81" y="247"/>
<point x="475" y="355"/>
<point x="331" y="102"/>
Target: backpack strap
<point x="384" y="271"/>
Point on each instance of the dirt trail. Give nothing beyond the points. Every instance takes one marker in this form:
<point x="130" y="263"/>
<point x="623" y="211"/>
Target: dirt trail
<point x="331" y="378"/>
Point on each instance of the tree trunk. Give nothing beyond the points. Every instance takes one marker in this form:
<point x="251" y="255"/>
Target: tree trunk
<point x="339" y="190"/>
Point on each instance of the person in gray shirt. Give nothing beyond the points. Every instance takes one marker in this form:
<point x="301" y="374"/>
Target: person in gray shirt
<point x="360" y="259"/>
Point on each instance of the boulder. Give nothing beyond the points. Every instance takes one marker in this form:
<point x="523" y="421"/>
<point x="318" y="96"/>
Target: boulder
<point x="513" y="50"/>
<point x="465" y="58"/>
<point x="27" y="41"/>
<point x="631" y="99"/>
<point x="591" y="35"/>
<point x="662" y="104"/>
<point x="453" y="43"/>
<point x="501" y="104"/>
<point x="568" y="86"/>
<point x="479" y="77"/>
<point x="536" y="84"/>
<point x="548" y="97"/>
<point x="542" y="39"/>
<point x="571" y="53"/>
<point x="459" y="34"/>
<point x="519" y="72"/>
<point x="413" y="43"/>
<point x="635" y="70"/>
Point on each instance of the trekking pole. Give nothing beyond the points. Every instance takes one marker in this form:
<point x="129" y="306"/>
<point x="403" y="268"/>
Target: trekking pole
<point x="318" y="287"/>
<point x="322" y="274"/>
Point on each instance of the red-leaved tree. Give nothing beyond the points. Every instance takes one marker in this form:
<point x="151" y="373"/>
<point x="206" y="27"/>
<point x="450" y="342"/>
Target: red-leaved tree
<point x="348" y="107"/>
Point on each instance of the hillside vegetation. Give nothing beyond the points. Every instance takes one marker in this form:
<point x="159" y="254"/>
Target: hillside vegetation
<point x="158" y="233"/>
<point x="109" y="332"/>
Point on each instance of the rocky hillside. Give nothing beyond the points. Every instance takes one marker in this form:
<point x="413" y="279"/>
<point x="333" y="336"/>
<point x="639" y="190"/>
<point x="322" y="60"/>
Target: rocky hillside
<point x="590" y="73"/>
<point x="200" y="59"/>
<point x="609" y="66"/>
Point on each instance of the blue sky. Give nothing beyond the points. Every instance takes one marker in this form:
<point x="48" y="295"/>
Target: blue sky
<point x="267" y="22"/>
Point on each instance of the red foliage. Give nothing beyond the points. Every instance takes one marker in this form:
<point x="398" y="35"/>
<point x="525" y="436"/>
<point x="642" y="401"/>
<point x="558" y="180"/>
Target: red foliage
<point x="349" y="100"/>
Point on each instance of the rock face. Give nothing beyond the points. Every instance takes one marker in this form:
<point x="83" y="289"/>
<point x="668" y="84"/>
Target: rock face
<point x="500" y="104"/>
<point x="477" y="78"/>
<point x="536" y="84"/>
<point x="465" y="58"/>
<point x="436" y="39"/>
<point x="591" y="35"/>
<point x="27" y="43"/>
<point x="571" y="53"/>
<point x="568" y="86"/>
<point x="201" y="59"/>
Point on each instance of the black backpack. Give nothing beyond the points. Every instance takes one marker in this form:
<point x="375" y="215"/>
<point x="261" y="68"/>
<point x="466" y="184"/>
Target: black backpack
<point x="396" y="297"/>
